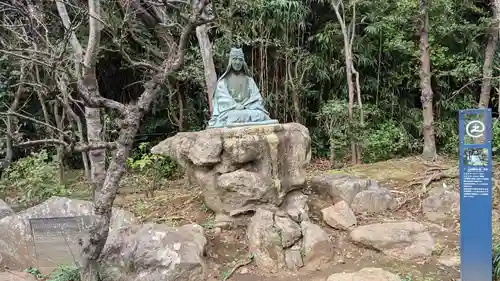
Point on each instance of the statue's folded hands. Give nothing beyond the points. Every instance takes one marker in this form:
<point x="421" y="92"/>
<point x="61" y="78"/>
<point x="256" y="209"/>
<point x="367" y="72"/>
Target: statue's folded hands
<point x="236" y="100"/>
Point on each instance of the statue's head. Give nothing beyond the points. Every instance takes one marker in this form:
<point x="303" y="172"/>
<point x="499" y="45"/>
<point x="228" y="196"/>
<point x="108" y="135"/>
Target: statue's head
<point x="237" y="59"/>
<point x="236" y="63"/>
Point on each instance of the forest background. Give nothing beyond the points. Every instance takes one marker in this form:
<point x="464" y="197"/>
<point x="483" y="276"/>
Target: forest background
<point x="84" y="83"/>
<point x="296" y="52"/>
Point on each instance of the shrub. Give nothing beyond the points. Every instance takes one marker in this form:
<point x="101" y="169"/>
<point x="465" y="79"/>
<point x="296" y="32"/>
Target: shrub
<point x="152" y="168"/>
<point x="34" y="177"/>
<point x="496" y="262"/>
<point x="61" y="273"/>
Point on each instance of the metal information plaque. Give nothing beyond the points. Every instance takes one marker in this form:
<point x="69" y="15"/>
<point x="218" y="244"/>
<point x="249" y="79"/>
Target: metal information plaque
<point x="475" y="194"/>
<point x="56" y="240"/>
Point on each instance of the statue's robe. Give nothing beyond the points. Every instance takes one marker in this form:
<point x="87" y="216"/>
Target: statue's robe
<point x="227" y="111"/>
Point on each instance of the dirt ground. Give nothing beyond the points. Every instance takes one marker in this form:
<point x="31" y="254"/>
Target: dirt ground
<point x="176" y="204"/>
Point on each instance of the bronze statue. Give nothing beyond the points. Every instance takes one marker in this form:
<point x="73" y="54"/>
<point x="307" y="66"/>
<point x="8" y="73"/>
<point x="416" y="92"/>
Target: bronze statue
<point x="236" y="100"/>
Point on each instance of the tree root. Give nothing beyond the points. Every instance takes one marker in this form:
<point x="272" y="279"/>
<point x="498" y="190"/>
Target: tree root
<point x="433" y="173"/>
<point x="239" y="264"/>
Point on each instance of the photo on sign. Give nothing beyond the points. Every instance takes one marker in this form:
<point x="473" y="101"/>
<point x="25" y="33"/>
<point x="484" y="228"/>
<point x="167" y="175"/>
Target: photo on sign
<point x="477" y="157"/>
<point x="474" y="129"/>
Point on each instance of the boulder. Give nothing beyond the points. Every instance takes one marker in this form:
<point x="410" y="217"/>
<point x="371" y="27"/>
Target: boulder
<point x="362" y="195"/>
<point x="339" y="187"/>
<point x="442" y="203"/>
<point x="241" y="169"/>
<point x="373" y="201"/>
<point x="264" y="242"/>
<point x="289" y="230"/>
<point x="339" y="216"/>
<point x="154" y="252"/>
<point x="278" y="242"/>
<point x="316" y="245"/>
<point x="17" y="250"/>
<point x="293" y="257"/>
<point x="5" y="209"/>
<point x="295" y="205"/>
<point x="402" y="240"/>
<point x="16" y="276"/>
<point x="450" y="260"/>
<point x="365" y="274"/>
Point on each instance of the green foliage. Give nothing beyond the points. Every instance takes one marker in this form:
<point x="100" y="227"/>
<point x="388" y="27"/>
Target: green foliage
<point x="61" y="273"/>
<point x="35" y="272"/>
<point x="496" y="262"/>
<point x="387" y="140"/>
<point x="295" y="50"/>
<point x="379" y="140"/>
<point x="65" y="273"/>
<point x="496" y="139"/>
<point x="144" y="161"/>
<point x="35" y="177"/>
<point x="152" y="168"/>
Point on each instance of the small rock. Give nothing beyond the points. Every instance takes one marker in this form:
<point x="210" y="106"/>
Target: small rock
<point x="293" y="257"/>
<point x="339" y="186"/>
<point x="366" y="274"/>
<point x="222" y="221"/>
<point x="402" y="240"/>
<point x="434" y="228"/>
<point x="244" y="270"/>
<point x="450" y="261"/>
<point x="290" y="231"/>
<point x="339" y="216"/>
<point x="16" y="276"/>
<point x="5" y="209"/>
<point x="264" y="242"/>
<point x="373" y="201"/>
<point x="295" y="205"/>
<point x="442" y="203"/>
<point x="317" y="246"/>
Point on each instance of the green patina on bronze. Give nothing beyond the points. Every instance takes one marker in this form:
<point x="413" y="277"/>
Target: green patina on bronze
<point x="236" y="100"/>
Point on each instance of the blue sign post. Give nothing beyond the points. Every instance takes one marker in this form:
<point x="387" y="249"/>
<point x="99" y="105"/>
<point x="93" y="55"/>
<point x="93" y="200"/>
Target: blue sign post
<point x="475" y="194"/>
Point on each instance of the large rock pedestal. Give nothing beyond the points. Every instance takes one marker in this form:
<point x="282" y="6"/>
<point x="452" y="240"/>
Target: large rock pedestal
<point x="243" y="168"/>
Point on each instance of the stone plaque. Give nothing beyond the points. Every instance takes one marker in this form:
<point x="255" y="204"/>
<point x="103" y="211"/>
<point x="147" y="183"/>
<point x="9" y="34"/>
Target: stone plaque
<point x="56" y="240"/>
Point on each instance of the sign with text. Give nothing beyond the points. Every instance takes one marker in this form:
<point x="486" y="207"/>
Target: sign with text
<point x="475" y="194"/>
<point x="56" y="240"/>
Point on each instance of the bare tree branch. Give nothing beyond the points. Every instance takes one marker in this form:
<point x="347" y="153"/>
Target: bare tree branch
<point x="34" y="121"/>
<point x="69" y="147"/>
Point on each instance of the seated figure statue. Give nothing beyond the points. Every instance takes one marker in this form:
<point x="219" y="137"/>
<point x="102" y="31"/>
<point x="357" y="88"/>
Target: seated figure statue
<point x="236" y="100"/>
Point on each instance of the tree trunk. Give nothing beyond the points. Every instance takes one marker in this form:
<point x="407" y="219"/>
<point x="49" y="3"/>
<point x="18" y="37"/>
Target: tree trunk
<point x="429" y="151"/>
<point x="132" y="116"/>
<point x="180" y="101"/>
<point x="13" y="107"/>
<point x="208" y="62"/>
<point x="59" y="118"/>
<point x="93" y="115"/>
<point x="350" y="87"/>
<point x="97" y="157"/>
<point x="332" y="154"/>
<point x="295" y="79"/>
<point x="489" y="55"/>
<point x="349" y="66"/>
<point x="62" y="84"/>
<point x="103" y="203"/>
